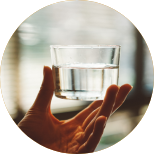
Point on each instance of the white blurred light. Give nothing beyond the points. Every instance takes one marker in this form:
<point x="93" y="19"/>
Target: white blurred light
<point x="28" y="34"/>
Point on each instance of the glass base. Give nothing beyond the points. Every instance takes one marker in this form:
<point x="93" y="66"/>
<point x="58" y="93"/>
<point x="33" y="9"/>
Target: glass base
<point x="80" y="95"/>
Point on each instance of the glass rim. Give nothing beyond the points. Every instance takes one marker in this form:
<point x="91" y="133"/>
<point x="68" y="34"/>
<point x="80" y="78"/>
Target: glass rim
<point x="85" y="46"/>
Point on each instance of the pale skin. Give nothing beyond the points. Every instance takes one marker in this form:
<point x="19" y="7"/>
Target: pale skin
<point x="80" y="134"/>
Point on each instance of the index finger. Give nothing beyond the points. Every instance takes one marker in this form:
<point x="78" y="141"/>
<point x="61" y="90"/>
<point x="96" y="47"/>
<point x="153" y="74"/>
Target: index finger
<point x="121" y="96"/>
<point x="109" y="101"/>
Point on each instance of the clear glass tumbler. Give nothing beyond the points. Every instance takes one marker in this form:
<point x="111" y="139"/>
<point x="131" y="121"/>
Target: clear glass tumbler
<point x="84" y="72"/>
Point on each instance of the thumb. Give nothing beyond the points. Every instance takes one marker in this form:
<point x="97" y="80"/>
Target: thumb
<point x="43" y="99"/>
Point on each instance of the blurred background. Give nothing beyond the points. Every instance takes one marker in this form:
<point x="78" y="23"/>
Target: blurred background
<point x="76" y="23"/>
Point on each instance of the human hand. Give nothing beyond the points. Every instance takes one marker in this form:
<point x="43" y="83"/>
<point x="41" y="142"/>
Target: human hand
<point x="80" y="134"/>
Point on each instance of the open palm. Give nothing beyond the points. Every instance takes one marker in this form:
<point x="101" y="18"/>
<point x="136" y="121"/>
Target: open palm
<point x="80" y="134"/>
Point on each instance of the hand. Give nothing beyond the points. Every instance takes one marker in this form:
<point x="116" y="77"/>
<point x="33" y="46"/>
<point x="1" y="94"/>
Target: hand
<point x="80" y="134"/>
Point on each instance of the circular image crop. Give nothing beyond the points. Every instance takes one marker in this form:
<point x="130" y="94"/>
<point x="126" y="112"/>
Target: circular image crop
<point x="29" y="80"/>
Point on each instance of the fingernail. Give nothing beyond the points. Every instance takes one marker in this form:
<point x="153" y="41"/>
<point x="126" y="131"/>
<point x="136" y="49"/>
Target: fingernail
<point x="118" y="88"/>
<point x="131" y="88"/>
<point x="106" y="118"/>
<point x="105" y="121"/>
<point x="43" y="70"/>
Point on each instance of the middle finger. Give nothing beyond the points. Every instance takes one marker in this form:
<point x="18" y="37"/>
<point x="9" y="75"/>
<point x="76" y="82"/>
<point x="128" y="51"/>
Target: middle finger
<point x="105" y="109"/>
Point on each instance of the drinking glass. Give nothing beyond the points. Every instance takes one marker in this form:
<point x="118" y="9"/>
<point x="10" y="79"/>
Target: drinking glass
<point x="84" y="72"/>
